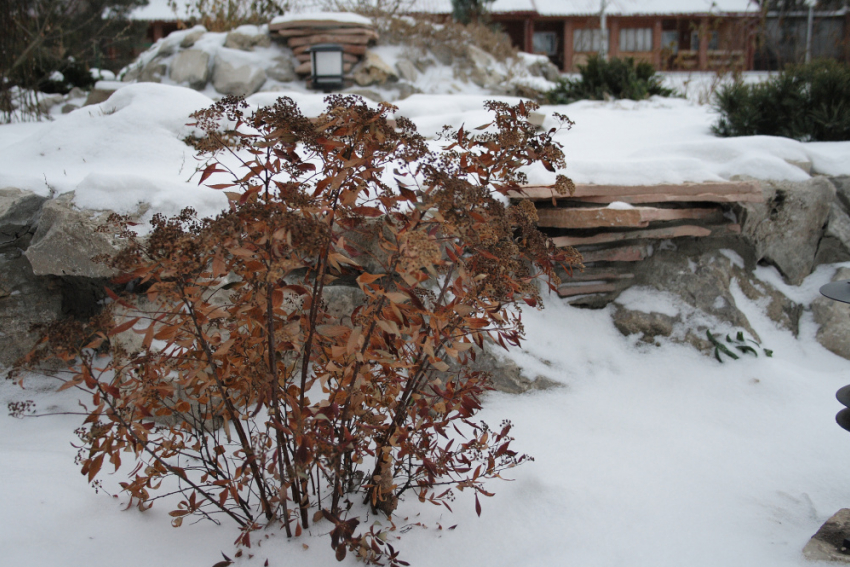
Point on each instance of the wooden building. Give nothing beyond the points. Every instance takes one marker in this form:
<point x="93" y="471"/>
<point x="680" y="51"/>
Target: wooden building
<point x="669" y="34"/>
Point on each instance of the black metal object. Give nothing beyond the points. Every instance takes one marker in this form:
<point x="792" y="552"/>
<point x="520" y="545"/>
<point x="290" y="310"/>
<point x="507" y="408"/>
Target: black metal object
<point x="327" y="67"/>
<point x="840" y="291"/>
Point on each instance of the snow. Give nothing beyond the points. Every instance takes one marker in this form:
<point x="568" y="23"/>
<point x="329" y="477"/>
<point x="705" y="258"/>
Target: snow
<point x="333" y="17"/>
<point x="646" y="455"/>
<point x="652" y="456"/>
<point x="161" y="10"/>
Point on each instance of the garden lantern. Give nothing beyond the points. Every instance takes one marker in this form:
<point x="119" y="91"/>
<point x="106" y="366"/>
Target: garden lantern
<point x="840" y="291"/>
<point x="326" y="59"/>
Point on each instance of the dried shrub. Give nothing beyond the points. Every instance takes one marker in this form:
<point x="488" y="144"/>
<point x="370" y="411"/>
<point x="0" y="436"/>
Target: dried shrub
<point x="225" y="15"/>
<point x="248" y="393"/>
<point x="421" y="34"/>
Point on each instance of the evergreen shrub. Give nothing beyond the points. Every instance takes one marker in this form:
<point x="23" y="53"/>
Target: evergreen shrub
<point x="805" y="102"/>
<point x="617" y="78"/>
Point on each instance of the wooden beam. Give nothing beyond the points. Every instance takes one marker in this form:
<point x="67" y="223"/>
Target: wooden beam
<point x="658" y="233"/>
<point x="619" y="254"/>
<point x="346" y="48"/>
<point x="590" y="274"/>
<point x="717" y="192"/>
<point x="638" y="217"/>
<point x="654" y="234"/>
<point x="573" y="290"/>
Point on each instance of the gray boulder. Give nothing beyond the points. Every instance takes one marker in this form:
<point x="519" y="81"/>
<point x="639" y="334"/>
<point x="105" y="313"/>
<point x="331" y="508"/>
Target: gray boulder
<point x="647" y="325"/>
<point x="67" y="239"/>
<point x="834" y="320"/>
<point x="835" y="245"/>
<point x="842" y="190"/>
<point x="505" y="375"/>
<point x="191" y="66"/>
<point x="18" y="214"/>
<point x="828" y="543"/>
<point x="443" y="53"/>
<point x="25" y="300"/>
<point x="374" y="71"/>
<point x="102" y="91"/>
<point x="406" y="70"/>
<point x="153" y="72"/>
<point x="233" y="77"/>
<point x="194" y="35"/>
<point x="283" y="70"/>
<point x="786" y="228"/>
<point x="543" y="67"/>
<point x="246" y="42"/>
<point x="701" y="278"/>
<point x="484" y="71"/>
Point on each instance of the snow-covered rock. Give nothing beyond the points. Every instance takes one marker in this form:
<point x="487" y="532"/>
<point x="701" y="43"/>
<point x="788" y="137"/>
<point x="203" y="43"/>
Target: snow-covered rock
<point x="234" y="76"/>
<point x="67" y="240"/>
<point x="191" y="66"/>
<point x="373" y="71"/>
<point x="785" y="229"/>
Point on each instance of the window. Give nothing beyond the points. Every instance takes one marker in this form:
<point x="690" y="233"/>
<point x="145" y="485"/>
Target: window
<point x="713" y="40"/>
<point x="545" y="42"/>
<point x="635" y="39"/>
<point x="585" y="40"/>
<point x="670" y="41"/>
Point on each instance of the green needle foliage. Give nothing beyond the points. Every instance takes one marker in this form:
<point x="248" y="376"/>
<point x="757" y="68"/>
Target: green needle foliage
<point x="614" y="78"/>
<point x="739" y="343"/>
<point x="805" y="102"/>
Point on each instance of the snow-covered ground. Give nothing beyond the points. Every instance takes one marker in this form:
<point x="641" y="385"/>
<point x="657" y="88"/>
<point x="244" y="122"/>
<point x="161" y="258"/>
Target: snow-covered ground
<point x="647" y="456"/>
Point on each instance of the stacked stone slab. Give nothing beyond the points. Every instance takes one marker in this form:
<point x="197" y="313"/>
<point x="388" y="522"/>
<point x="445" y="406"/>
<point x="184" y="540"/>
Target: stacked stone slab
<point x="300" y="35"/>
<point x="609" y="237"/>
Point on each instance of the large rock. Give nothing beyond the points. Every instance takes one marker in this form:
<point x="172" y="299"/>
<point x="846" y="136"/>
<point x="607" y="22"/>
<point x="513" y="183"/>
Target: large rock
<point x="786" y="228"/>
<point x="834" y="320"/>
<point x="18" y="214"/>
<point x="153" y="72"/>
<point x="543" y="67"/>
<point x="101" y="91"/>
<point x="374" y="71"/>
<point x="192" y="36"/>
<point x="485" y="69"/>
<point x="283" y="70"/>
<point x="191" y="66"/>
<point x="406" y="70"/>
<point x="238" y="39"/>
<point x="232" y="76"/>
<point x="835" y="245"/>
<point x="25" y="300"/>
<point x="67" y="239"/>
<point x="700" y="279"/>
<point x="828" y="543"/>
<point x="505" y="375"/>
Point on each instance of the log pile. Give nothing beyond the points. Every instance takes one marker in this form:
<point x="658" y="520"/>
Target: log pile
<point x="301" y="35"/>
<point x="613" y="225"/>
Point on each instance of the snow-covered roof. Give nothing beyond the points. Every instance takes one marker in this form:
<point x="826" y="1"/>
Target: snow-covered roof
<point x="588" y="7"/>
<point x="160" y="10"/>
<point x="335" y="17"/>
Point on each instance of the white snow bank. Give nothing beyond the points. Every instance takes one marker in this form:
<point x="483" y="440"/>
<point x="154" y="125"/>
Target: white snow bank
<point x="116" y="154"/>
<point x="648" y="455"/>
<point x="332" y="17"/>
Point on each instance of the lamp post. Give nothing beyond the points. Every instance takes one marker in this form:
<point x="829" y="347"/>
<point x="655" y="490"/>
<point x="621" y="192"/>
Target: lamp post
<point x="809" y="27"/>
<point x="840" y="291"/>
<point x="327" y="66"/>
